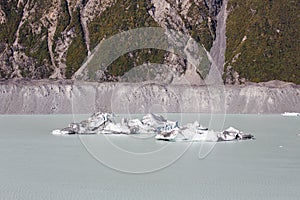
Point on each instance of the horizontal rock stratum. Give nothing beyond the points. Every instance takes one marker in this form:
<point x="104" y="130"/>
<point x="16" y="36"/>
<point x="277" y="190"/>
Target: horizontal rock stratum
<point x="50" y="97"/>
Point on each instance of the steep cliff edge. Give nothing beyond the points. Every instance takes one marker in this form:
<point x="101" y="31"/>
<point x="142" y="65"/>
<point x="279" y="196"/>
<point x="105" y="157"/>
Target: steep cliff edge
<point x="44" y="97"/>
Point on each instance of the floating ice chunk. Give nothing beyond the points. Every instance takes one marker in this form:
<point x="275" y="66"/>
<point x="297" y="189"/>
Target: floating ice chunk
<point x="154" y="120"/>
<point x="227" y="136"/>
<point x="170" y="132"/>
<point x="92" y="125"/>
<point x="135" y="123"/>
<point x="168" y="126"/>
<point x="234" y="134"/>
<point x="291" y="114"/>
<point x="101" y="123"/>
<point x="117" y="128"/>
<point x="97" y="120"/>
<point x="232" y="130"/>
<point x="60" y="132"/>
<point x="167" y="136"/>
<point x="195" y="132"/>
<point x="207" y="136"/>
<point x="139" y="127"/>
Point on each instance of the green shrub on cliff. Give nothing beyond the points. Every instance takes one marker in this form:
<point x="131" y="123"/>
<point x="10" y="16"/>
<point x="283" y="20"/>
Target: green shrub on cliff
<point x="64" y="20"/>
<point x="200" y="31"/>
<point x="77" y="51"/>
<point x="123" y="16"/>
<point x="13" y="16"/>
<point x="263" y="40"/>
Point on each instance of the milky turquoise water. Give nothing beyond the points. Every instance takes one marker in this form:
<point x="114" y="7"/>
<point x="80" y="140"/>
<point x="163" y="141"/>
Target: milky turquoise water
<point x="37" y="165"/>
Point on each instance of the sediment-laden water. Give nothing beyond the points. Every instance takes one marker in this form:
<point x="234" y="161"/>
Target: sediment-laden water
<point x="38" y="165"/>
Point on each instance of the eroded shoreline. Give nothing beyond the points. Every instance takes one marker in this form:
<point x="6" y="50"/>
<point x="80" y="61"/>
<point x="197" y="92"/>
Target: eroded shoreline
<point x="66" y="97"/>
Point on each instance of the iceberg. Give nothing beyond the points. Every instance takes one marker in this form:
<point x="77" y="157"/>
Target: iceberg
<point x="196" y="133"/>
<point x="116" y="128"/>
<point x="94" y="124"/>
<point x="154" y="120"/>
<point x="291" y="114"/>
<point x="234" y="134"/>
<point x="168" y="132"/>
<point x="104" y="123"/>
<point x="61" y="132"/>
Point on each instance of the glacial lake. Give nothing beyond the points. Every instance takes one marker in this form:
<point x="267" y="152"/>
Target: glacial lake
<point x="36" y="165"/>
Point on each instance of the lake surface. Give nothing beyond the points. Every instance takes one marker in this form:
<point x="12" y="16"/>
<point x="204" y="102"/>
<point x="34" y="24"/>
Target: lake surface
<point x="37" y="165"/>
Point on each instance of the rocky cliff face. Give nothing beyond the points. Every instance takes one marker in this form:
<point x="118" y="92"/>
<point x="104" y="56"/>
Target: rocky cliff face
<point x="51" y="38"/>
<point x="248" y="40"/>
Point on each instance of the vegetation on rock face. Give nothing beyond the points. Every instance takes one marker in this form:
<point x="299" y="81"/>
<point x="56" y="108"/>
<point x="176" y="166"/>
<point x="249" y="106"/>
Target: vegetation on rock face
<point x="35" y="44"/>
<point x="31" y="43"/>
<point x="134" y="59"/>
<point x="262" y="36"/>
<point x="13" y="16"/>
<point x="200" y="29"/>
<point x="122" y="16"/>
<point x="69" y="45"/>
<point x="64" y="19"/>
<point x="263" y="40"/>
<point x="77" y="52"/>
